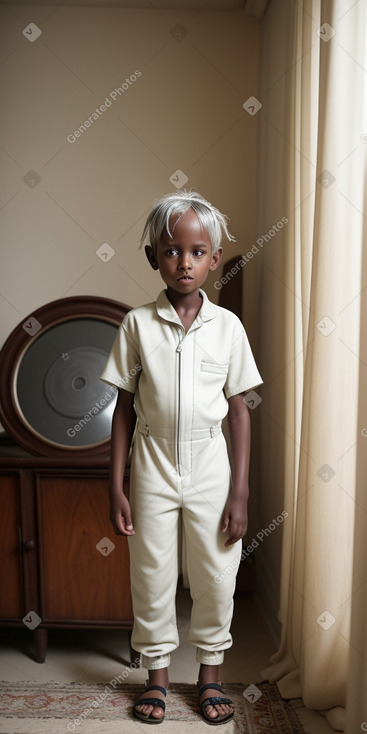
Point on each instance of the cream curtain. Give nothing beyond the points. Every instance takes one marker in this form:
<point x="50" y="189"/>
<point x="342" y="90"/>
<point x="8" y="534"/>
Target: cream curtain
<point x="313" y="346"/>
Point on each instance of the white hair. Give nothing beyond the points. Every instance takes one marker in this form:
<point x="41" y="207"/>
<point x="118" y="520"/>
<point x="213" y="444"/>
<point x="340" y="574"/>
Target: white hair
<point x="178" y="203"/>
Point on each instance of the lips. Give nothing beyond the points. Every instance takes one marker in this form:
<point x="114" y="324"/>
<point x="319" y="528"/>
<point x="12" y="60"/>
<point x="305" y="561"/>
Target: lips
<point x="185" y="278"/>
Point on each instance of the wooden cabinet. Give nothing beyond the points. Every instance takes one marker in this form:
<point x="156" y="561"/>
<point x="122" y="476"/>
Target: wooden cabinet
<point x="11" y="597"/>
<point x="60" y="559"/>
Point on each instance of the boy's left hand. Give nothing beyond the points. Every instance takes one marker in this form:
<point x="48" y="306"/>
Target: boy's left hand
<point x="234" y="518"/>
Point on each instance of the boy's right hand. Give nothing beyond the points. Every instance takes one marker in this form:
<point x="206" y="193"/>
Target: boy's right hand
<point x="120" y="515"/>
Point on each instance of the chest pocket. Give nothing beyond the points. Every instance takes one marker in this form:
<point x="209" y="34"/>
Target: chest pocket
<point x="214" y="368"/>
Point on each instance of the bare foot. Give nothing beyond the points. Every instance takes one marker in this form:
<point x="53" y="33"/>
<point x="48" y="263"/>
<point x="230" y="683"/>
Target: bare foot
<point x="224" y="709"/>
<point x="210" y="674"/>
<point x="148" y="709"/>
<point x="158" y="678"/>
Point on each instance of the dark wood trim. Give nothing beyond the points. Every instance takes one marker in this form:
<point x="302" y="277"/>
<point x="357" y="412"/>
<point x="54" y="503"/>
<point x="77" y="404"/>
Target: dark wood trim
<point x="64" y="309"/>
<point x="40" y="636"/>
<point x="230" y="295"/>
<point x="75" y="624"/>
<point x="29" y="547"/>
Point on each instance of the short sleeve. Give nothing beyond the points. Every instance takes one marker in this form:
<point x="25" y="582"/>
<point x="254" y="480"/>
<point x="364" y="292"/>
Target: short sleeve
<point x="243" y="374"/>
<point x="123" y="365"/>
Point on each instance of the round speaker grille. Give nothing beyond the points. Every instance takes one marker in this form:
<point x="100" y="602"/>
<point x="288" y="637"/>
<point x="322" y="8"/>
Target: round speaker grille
<point x="58" y="388"/>
<point x="72" y="381"/>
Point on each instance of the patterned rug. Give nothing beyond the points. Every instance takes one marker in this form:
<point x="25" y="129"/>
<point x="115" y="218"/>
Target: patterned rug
<point x="259" y="709"/>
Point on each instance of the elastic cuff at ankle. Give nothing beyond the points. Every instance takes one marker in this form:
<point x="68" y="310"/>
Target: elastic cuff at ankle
<point x="209" y="658"/>
<point x="155" y="663"/>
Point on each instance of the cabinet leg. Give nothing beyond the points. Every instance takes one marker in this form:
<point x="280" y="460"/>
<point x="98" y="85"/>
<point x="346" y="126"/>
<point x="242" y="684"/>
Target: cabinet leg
<point x="40" y="640"/>
<point x="134" y="655"/>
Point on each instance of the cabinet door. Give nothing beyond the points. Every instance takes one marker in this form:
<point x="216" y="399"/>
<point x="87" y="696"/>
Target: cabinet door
<point x="11" y="596"/>
<point x="84" y="566"/>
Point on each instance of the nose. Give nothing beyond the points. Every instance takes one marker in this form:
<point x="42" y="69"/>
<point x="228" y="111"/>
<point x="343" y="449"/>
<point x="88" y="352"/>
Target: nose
<point x="184" y="263"/>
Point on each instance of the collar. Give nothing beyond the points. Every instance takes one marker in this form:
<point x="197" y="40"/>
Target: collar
<point x="166" y="310"/>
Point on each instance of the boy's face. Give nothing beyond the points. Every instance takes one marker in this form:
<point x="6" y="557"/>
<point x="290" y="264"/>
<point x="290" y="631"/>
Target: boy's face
<point x="185" y="259"/>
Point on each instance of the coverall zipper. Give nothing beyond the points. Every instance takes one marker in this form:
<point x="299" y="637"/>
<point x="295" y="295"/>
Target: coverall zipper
<point x="179" y="352"/>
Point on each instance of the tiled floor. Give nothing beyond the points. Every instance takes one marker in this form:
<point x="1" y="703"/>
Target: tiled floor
<point x="98" y="656"/>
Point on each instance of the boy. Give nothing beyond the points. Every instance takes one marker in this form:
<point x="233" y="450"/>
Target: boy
<point x="183" y="363"/>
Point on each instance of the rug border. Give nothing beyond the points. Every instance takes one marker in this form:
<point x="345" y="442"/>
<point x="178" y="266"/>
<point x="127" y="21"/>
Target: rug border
<point x="294" y="721"/>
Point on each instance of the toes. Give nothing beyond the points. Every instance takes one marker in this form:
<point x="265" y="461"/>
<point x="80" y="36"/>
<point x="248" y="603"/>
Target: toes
<point x="157" y="713"/>
<point x="212" y="712"/>
<point x="145" y="709"/>
<point x="219" y="710"/>
<point x="226" y="708"/>
<point x="149" y="709"/>
<point x="222" y="710"/>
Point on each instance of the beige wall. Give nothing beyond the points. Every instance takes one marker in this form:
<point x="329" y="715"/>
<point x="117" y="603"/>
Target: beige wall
<point x="184" y="112"/>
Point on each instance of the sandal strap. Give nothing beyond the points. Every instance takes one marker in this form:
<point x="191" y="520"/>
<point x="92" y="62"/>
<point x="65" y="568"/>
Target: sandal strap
<point x="156" y="688"/>
<point x="216" y="687"/>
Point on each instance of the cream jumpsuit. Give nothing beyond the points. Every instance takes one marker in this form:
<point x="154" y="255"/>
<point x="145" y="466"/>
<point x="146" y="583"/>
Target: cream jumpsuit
<point x="180" y="469"/>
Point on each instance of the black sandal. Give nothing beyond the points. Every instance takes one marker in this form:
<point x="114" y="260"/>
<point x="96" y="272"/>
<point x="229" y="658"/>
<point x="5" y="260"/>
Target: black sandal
<point x="213" y="701"/>
<point x="156" y="702"/>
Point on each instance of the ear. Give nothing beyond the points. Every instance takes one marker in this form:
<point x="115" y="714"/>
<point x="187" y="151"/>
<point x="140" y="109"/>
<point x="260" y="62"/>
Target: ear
<point x="216" y="259"/>
<point x="151" y="257"/>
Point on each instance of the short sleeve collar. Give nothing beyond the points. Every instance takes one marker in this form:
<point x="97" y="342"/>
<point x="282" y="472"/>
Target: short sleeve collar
<point x="166" y="310"/>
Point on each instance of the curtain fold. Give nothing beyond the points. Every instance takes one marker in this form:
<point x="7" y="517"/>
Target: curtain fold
<point x="323" y="577"/>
